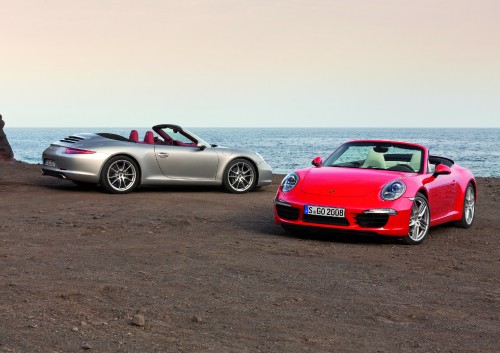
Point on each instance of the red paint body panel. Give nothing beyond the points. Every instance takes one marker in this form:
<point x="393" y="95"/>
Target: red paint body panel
<point x="359" y="189"/>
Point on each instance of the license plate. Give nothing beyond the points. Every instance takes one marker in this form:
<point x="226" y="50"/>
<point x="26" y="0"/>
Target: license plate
<point x="325" y="211"/>
<point x="49" y="163"/>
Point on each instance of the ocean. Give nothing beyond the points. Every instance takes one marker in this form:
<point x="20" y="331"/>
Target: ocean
<point x="287" y="149"/>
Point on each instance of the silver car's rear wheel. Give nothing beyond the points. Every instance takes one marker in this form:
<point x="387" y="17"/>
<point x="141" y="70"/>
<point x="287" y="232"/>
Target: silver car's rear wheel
<point x="120" y="175"/>
<point x="239" y="176"/>
<point x="419" y="221"/>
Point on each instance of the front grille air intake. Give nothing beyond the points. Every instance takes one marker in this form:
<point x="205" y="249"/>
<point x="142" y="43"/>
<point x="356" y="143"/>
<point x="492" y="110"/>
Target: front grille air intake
<point x="287" y="212"/>
<point x="372" y="220"/>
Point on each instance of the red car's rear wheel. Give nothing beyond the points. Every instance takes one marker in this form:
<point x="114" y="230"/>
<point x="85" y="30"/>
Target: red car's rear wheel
<point x="469" y="207"/>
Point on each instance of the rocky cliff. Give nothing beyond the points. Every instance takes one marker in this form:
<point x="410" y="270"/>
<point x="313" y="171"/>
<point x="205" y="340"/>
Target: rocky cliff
<point x="6" y="153"/>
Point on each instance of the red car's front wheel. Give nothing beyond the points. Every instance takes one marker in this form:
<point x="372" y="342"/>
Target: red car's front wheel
<point x="419" y="221"/>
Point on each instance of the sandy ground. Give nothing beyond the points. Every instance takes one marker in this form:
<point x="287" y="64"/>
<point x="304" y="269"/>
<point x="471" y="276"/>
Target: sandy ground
<point x="200" y="270"/>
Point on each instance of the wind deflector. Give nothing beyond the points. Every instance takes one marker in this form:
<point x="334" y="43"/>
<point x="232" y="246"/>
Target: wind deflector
<point x="113" y="136"/>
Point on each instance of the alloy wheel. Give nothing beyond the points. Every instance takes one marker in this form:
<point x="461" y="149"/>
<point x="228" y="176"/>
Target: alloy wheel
<point x="241" y="176"/>
<point x="419" y="219"/>
<point x="469" y="205"/>
<point x="121" y="175"/>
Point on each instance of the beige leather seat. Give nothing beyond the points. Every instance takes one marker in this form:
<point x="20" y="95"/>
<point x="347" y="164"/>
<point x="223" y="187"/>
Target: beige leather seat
<point x="415" y="161"/>
<point x="374" y="160"/>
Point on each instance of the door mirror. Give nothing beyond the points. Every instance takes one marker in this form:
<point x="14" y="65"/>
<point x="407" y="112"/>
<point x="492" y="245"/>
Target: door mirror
<point x="442" y="169"/>
<point x="317" y="162"/>
<point x="202" y="147"/>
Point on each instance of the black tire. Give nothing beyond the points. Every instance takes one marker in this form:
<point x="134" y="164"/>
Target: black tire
<point x="120" y="175"/>
<point x="419" y="221"/>
<point x="468" y="207"/>
<point x="239" y="176"/>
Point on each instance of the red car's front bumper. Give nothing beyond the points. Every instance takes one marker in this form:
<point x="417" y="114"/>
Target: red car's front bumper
<point x="389" y="218"/>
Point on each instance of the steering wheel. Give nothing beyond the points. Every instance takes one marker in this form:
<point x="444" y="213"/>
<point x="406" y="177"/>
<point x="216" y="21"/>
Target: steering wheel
<point x="402" y="168"/>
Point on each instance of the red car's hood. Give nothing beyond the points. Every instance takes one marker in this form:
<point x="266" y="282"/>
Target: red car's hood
<point x="345" y="182"/>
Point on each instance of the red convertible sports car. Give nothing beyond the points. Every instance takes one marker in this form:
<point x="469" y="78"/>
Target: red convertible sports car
<point x="379" y="187"/>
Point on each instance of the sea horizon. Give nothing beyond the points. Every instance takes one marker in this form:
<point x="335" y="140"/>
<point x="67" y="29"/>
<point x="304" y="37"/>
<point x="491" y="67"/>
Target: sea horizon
<point x="287" y="149"/>
<point x="258" y="127"/>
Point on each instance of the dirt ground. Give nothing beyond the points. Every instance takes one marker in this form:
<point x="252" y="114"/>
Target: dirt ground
<point x="201" y="270"/>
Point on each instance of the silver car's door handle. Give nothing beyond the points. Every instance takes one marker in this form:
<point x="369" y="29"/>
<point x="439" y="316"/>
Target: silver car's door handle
<point x="163" y="154"/>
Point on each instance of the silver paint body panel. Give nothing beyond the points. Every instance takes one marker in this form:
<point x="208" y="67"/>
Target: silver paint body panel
<point x="159" y="164"/>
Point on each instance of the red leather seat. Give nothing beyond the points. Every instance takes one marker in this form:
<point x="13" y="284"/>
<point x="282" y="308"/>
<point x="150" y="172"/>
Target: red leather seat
<point x="149" y="138"/>
<point x="134" y="136"/>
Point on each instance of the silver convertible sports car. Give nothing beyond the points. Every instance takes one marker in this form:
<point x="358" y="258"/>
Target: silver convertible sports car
<point x="168" y="156"/>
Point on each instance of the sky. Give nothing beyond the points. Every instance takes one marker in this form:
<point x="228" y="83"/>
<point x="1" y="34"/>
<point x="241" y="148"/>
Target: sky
<point x="250" y="63"/>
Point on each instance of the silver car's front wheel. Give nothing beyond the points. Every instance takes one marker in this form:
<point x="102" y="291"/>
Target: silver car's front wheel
<point x="419" y="221"/>
<point x="239" y="176"/>
<point x="120" y="175"/>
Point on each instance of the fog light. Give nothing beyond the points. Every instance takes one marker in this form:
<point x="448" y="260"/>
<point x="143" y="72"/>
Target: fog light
<point x="387" y="211"/>
<point x="282" y="203"/>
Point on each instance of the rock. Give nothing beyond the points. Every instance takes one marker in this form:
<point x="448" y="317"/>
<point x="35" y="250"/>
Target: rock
<point x="139" y="320"/>
<point x="86" y="346"/>
<point x="6" y="154"/>
<point x="196" y="319"/>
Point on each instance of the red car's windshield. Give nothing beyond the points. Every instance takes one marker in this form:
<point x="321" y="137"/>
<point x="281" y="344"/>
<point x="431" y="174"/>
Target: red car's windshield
<point x="377" y="155"/>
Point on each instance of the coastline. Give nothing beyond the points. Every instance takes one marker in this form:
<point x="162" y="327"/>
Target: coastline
<point x="288" y="149"/>
<point x="282" y="175"/>
<point x="207" y="270"/>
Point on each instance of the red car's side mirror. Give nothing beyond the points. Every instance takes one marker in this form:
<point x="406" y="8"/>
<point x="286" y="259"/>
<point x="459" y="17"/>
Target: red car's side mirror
<point x="317" y="162"/>
<point x="442" y="169"/>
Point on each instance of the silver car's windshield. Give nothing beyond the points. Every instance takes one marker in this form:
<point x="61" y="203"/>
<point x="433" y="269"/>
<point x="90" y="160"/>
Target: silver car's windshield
<point x="377" y="155"/>
<point x="200" y="140"/>
<point x="176" y="136"/>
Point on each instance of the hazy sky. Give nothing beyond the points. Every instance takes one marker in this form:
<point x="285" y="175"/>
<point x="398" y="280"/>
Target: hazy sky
<point x="317" y="63"/>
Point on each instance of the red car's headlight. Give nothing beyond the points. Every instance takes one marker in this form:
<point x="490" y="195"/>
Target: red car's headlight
<point x="289" y="182"/>
<point x="393" y="190"/>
